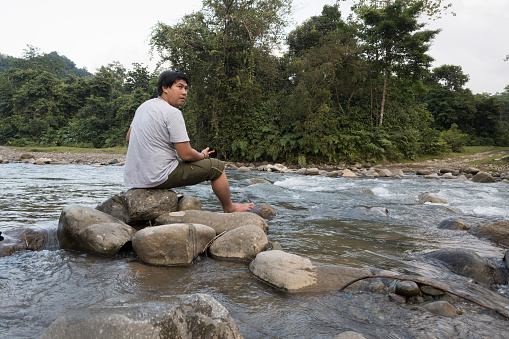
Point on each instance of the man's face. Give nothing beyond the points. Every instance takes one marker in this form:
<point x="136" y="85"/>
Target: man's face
<point x="176" y="94"/>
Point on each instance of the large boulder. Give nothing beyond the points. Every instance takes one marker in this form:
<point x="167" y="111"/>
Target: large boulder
<point x="242" y="243"/>
<point x="293" y="273"/>
<point x="86" y="229"/>
<point x="172" y="245"/>
<point x="498" y="232"/>
<point x="469" y="264"/>
<point x="220" y="222"/>
<point x="191" y="316"/>
<point x="140" y="204"/>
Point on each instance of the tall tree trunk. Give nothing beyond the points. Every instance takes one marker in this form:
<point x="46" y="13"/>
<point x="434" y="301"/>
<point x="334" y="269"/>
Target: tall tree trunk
<point x="384" y="93"/>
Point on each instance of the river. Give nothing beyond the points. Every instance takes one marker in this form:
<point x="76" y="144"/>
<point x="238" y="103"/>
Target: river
<point x="328" y="220"/>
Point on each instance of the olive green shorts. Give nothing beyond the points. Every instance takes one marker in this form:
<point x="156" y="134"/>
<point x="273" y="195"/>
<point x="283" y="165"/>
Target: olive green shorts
<point x="192" y="173"/>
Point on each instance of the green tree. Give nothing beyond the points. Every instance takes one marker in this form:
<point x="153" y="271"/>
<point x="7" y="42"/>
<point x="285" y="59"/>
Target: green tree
<point x="224" y="48"/>
<point x="396" y="44"/>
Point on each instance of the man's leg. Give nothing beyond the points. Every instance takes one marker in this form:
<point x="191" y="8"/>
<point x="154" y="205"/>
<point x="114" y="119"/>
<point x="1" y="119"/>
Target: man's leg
<point x="221" y="189"/>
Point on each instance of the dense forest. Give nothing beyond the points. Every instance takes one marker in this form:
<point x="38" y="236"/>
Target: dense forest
<point x="350" y="89"/>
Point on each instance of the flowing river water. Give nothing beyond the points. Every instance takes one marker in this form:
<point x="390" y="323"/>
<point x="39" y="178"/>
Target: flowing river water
<point x="328" y="220"/>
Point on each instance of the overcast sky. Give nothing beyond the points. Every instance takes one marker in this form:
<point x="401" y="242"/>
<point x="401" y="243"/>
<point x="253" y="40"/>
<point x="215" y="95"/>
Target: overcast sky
<point x="94" y="33"/>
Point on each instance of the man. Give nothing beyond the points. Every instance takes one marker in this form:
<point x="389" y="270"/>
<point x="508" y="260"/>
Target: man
<point x="157" y="138"/>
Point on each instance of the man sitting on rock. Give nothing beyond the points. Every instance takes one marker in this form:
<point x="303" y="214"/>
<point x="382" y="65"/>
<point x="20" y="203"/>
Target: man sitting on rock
<point x="157" y="139"/>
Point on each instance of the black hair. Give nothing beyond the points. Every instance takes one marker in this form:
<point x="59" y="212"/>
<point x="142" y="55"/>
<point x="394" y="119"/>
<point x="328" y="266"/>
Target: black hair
<point x="168" y="78"/>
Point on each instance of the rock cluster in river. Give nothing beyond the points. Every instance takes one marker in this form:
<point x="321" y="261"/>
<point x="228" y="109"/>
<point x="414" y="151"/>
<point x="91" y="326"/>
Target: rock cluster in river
<point x="466" y="173"/>
<point x="353" y="171"/>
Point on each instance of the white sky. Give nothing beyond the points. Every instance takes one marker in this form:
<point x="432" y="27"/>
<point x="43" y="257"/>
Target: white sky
<point x="94" y="33"/>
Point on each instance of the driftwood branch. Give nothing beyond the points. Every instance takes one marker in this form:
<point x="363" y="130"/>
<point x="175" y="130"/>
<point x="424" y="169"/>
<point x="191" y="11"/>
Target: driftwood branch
<point x="427" y="284"/>
<point x="211" y="241"/>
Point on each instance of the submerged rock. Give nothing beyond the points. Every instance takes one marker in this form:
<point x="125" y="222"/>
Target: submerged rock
<point x="24" y="239"/>
<point x="469" y="264"/>
<point x="192" y="316"/>
<point x="456" y="225"/>
<point x="498" y="232"/>
<point x="430" y="197"/>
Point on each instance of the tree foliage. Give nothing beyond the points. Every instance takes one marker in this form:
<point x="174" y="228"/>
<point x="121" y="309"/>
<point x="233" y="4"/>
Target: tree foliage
<point x="347" y="89"/>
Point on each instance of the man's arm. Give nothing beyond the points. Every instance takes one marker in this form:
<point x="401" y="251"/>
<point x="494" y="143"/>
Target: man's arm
<point x="187" y="153"/>
<point x="128" y="135"/>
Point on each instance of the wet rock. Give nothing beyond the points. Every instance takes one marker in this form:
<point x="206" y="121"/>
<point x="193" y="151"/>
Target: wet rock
<point x="506" y="259"/>
<point x="377" y="211"/>
<point x="432" y="176"/>
<point x="483" y="177"/>
<point x="435" y="292"/>
<point x="469" y="264"/>
<point x="244" y="169"/>
<point x="430" y="197"/>
<point x="470" y="170"/>
<point x="260" y="181"/>
<point x="423" y="172"/>
<point x="462" y="177"/>
<point x="42" y="161"/>
<point x="447" y="175"/>
<point x="140" y="204"/>
<point x="242" y="243"/>
<point x="107" y="238"/>
<point x="348" y="174"/>
<point x="293" y="273"/>
<point x="372" y="173"/>
<point x="407" y="288"/>
<point x="187" y="317"/>
<point x="220" y="222"/>
<point x="456" y="225"/>
<point x="498" y="232"/>
<point x="397" y="298"/>
<point x="25" y="156"/>
<point x="385" y="173"/>
<point x="264" y="210"/>
<point x="172" y="245"/>
<point x="440" y="307"/>
<point x="312" y="171"/>
<point x="448" y="170"/>
<point x="334" y="174"/>
<point x="189" y="203"/>
<point x="398" y="172"/>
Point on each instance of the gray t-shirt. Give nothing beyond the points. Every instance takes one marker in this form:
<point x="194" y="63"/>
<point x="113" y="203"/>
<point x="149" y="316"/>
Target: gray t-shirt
<point x="151" y="155"/>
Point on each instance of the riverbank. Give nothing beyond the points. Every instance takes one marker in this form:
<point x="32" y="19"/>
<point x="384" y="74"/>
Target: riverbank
<point x="488" y="160"/>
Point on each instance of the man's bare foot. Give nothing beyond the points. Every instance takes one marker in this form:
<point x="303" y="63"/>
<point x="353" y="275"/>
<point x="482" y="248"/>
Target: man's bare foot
<point x="240" y="208"/>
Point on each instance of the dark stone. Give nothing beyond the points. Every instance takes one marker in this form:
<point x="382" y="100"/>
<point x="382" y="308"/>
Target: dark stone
<point x="456" y="225"/>
<point x="469" y="264"/>
<point x="140" y="204"/>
